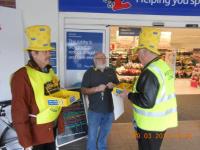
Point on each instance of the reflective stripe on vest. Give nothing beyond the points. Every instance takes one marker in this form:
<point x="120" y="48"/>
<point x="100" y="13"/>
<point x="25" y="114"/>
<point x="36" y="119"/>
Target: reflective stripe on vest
<point x="38" y="80"/>
<point x="164" y="97"/>
<point x="155" y="114"/>
<point x="157" y="70"/>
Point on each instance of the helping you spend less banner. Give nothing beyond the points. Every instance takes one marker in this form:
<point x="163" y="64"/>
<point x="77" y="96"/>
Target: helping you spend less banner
<point x="147" y="7"/>
<point x="170" y="2"/>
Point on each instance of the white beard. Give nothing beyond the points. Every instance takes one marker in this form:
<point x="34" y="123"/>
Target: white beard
<point x="101" y="67"/>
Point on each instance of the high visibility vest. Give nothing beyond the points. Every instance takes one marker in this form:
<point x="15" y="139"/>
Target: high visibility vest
<point x="164" y="113"/>
<point x="38" y="81"/>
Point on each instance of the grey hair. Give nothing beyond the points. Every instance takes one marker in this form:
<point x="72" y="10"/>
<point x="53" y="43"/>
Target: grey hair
<point x="97" y="53"/>
<point x="146" y="51"/>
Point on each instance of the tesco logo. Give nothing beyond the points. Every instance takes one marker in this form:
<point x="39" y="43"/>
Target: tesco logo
<point x="117" y="4"/>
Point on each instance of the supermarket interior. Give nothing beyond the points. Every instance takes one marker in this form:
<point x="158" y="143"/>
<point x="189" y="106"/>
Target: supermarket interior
<point x="177" y="46"/>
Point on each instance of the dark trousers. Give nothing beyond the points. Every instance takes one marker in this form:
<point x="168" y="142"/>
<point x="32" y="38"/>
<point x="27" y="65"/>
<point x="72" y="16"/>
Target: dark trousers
<point x="149" y="140"/>
<point x="47" y="146"/>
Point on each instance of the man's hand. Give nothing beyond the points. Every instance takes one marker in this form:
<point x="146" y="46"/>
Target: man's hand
<point x="124" y="94"/>
<point x="100" y="88"/>
<point x="110" y="85"/>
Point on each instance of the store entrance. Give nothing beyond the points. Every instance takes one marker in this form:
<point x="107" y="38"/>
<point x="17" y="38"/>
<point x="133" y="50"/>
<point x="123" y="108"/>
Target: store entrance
<point x="178" y="47"/>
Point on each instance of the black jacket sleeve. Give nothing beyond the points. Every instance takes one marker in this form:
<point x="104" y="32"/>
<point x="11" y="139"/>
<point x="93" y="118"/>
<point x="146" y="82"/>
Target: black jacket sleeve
<point x="147" y="89"/>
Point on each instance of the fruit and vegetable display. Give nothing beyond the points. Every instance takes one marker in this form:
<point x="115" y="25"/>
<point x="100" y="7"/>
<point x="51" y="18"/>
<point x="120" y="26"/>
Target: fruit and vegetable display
<point x="127" y="79"/>
<point x="130" y="69"/>
<point x="184" y="65"/>
<point x="129" y="72"/>
<point x="195" y="79"/>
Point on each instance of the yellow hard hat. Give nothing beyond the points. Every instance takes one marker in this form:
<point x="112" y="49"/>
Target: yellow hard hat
<point x="39" y="37"/>
<point x="149" y="38"/>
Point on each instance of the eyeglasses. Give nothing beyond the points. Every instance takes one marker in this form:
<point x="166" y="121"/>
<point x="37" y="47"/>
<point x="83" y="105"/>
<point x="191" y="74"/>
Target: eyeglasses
<point x="101" y="58"/>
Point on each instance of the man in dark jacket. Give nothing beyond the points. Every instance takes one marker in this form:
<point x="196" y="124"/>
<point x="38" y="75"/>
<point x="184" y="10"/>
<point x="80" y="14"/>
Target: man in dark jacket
<point x="153" y="97"/>
<point x="98" y="83"/>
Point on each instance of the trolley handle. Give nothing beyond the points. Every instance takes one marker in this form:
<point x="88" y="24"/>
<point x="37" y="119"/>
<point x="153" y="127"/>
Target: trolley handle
<point x="2" y="105"/>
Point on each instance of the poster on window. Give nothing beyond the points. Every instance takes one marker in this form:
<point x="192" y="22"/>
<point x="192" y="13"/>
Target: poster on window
<point x="81" y="45"/>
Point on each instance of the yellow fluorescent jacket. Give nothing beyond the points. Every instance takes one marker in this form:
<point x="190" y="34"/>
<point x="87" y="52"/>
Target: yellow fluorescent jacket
<point x="164" y="113"/>
<point x="38" y="80"/>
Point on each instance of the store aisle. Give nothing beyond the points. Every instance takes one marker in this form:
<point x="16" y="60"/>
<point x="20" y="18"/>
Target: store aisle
<point x="185" y="137"/>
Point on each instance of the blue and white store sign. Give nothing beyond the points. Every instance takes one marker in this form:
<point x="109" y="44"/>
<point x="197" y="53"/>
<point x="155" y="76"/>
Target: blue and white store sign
<point x="53" y="59"/>
<point x="146" y="7"/>
<point x="81" y="47"/>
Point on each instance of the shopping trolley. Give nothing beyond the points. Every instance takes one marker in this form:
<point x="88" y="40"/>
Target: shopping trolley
<point x="8" y="136"/>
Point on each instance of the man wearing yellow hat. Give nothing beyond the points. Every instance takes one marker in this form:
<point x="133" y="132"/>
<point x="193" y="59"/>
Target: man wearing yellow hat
<point x="35" y="122"/>
<point x="153" y="96"/>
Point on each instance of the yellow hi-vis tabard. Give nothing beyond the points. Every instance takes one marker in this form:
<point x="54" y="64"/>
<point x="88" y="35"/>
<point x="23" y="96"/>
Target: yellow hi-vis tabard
<point x="38" y="80"/>
<point x="164" y="113"/>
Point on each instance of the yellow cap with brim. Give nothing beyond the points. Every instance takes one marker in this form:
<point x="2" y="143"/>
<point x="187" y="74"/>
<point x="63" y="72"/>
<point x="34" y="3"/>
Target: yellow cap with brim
<point x="39" y="37"/>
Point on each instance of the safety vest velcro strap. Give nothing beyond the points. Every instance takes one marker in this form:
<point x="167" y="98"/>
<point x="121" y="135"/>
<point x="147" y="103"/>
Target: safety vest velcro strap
<point x="165" y="98"/>
<point x="155" y="114"/>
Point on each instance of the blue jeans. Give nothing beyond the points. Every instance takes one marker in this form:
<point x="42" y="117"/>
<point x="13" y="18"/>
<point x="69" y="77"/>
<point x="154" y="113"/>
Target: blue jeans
<point x="99" y="126"/>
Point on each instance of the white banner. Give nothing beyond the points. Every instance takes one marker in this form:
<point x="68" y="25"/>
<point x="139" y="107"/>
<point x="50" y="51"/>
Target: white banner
<point x="11" y="48"/>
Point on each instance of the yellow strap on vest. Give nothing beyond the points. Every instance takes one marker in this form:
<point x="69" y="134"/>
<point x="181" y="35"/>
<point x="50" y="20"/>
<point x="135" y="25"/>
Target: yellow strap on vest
<point x="38" y="81"/>
<point x="164" y="97"/>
